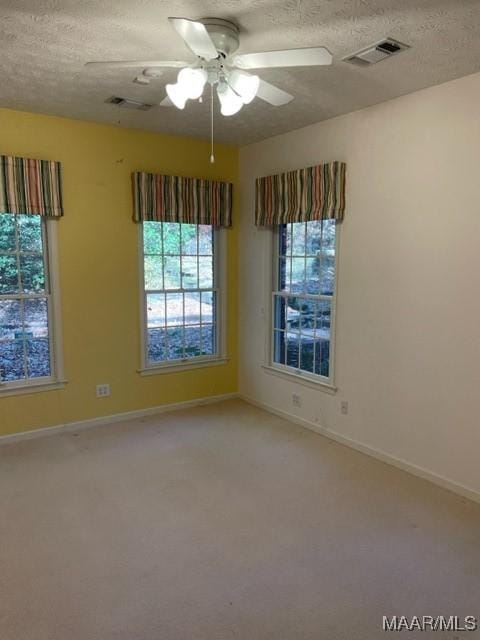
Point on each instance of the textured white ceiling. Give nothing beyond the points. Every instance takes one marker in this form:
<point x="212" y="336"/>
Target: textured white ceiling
<point x="45" y="43"/>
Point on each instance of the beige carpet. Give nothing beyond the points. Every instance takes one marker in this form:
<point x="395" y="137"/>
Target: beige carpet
<point x="223" y="522"/>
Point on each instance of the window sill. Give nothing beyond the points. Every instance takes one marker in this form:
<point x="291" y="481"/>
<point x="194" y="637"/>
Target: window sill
<point x="10" y="389"/>
<point x="301" y="378"/>
<point x="181" y="366"/>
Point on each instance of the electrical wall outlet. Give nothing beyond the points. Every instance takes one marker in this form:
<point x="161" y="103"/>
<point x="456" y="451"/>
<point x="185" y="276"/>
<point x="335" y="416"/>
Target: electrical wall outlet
<point x="103" y="390"/>
<point x="296" y="400"/>
<point x="344" y="407"/>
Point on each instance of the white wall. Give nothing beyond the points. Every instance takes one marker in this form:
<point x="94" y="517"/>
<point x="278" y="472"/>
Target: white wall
<point x="408" y="307"/>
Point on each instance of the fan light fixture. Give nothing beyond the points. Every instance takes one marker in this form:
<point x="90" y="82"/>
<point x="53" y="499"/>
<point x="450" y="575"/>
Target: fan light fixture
<point x="177" y="95"/>
<point x="234" y="89"/>
<point x="230" y="101"/>
<point x="192" y="82"/>
<point x="214" y="42"/>
<point x="189" y="85"/>
<point x="244" y="84"/>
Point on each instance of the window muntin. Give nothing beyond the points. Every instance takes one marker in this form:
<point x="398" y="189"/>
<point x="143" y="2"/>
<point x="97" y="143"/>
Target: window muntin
<point x="180" y="293"/>
<point x="26" y="341"/>
<point x="303" y="299"/>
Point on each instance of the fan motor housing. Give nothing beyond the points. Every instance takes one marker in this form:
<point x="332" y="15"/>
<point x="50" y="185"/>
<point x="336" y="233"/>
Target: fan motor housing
<point x="225" y="34"/>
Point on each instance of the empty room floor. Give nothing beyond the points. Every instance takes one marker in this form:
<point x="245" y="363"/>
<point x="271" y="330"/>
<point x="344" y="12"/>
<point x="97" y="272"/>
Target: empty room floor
<point x="222" y="522"/>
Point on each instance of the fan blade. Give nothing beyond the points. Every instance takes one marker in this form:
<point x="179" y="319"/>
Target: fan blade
<point x="196" y="37"/>
<point x="166" y="102"/>
<point x="287" y="58"/>
<point x="132" y="64"/>
<point x="272" y="94"/>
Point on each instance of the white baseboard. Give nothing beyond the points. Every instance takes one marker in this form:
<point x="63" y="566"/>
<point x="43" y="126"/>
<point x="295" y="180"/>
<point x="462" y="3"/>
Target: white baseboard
<point x="445" y="483"/>
<point x="115" y="417"/>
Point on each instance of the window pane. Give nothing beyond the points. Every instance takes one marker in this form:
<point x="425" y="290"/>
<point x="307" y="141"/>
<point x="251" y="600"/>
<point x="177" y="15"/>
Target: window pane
<point x="32" y="273"/>
<point x="152" y="237"/>
<point x="157" y="350"/>
<point x="279" y="347"/>
<point x="8" y="274"/>
<point x="279" y="313"/>
<point x="10" y="319"/>
<point x="38" y="358"/>
<point x="155" y="310"/>
<point x="205" y="239"/>
<point x="153" y="272"/>
<point x="298" y="239"/>
<point x="189" y="239"/>
<point x="285" y="233"/>
<point x="322" y="319"/>
<point x="306" y="308"/>
<point x="205" y="266"/>
<point x="328" y="238"/>
<point x="322" y="337"/>
<point x="208" y="340"/>
<point x="189" y="273"/>
<point x="313" y="240"/>
<point x="12" y="360"/>
<point x="327" y="275"/>
<point x="7" y="232"/>
<point x="175" y="343"/>
<point x="322" y="357"/>
<point x="192" y="342"/>
<point x="207" y="309"/>
<point x="284" y="274"/>
<point x="312" y="266"/>
<point x="174" y="309"/>
<point x="298" y="275"/>
<point x="192" y="308"/>
<point x="30" y="233"/>
<point x="292" y="349"/>
<point x="171" y="238"/>
<point x="36" y="318"/>
<point x="307" y="351"/>
<point x="172" y="272"/>
<point x="293" y="311"/>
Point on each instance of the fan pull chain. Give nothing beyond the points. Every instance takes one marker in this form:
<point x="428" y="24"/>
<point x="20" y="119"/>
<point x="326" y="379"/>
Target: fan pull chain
<point x="212" y="156"/>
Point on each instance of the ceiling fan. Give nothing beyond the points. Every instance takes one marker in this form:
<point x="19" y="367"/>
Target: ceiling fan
<point x="214" y="42"/>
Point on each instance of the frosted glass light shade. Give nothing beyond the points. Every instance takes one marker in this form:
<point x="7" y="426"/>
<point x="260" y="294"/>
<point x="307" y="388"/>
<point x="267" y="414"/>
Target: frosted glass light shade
<point x="230" y="102"/>
<point x="244" y="84"/>
<point x="192" y="82"/>
<point x="177" y="95"/>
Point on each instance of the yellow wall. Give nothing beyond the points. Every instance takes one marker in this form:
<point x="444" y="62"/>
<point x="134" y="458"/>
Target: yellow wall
<point x="98" y="256"/>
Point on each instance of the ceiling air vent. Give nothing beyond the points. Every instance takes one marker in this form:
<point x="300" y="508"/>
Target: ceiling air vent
<point x="127" y="103"/>
<point x="376" y="52"/>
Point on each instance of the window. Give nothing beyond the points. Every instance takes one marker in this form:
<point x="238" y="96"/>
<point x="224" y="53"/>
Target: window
<point x="180" y="293"/>
<point x="26" y="304"/>
<point x="304" y="299"/>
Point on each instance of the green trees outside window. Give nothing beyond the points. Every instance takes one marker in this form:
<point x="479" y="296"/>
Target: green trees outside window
<point x="24" y="299"/>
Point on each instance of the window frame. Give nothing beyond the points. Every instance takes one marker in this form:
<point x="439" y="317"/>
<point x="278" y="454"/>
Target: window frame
<point x="219" y="282"/>
<point x="284" y="370"/>
<point x="52" y="292"/>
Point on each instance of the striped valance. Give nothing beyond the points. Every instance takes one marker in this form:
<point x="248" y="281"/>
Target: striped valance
<point x="177" y="199"/>
<point x="30" y="186"/>
<point x="314" y="193"/>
